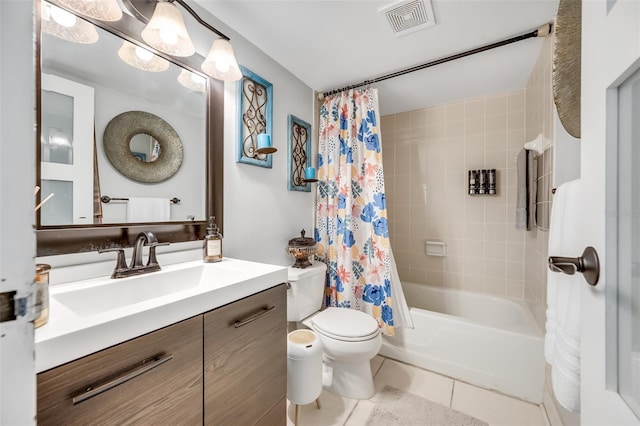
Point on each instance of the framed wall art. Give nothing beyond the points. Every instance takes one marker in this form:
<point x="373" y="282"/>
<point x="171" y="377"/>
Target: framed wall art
<point x="299" y="144"/>
<point x="255" y="105"/>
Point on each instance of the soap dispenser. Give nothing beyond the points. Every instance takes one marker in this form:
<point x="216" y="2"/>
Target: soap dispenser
<point x="212" y="245"/>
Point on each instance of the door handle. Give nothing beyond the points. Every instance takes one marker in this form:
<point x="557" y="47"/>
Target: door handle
<point x="588" y="264"/>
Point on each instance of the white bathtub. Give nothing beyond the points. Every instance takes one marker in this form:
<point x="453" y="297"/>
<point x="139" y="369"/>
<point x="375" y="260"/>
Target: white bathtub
<point x="487" y="341"/>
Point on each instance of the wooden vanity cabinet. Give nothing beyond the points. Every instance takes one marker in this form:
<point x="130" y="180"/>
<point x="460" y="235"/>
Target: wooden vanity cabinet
<point x="157" y="379"/>
<point x="245" y="361"/>
<point x="166" y="390"/>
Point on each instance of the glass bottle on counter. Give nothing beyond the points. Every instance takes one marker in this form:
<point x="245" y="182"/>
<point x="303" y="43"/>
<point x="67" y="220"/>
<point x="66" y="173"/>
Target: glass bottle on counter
<point x="212" y="244"/>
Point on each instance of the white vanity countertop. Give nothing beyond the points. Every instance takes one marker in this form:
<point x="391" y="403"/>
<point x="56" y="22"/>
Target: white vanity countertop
<point x="90" y="315"/>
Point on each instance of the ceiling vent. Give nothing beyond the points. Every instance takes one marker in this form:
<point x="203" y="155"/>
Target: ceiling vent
<point x="408" y="16"/>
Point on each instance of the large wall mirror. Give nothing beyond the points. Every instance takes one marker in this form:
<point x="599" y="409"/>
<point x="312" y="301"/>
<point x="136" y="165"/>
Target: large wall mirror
<point x="119" y="135"/>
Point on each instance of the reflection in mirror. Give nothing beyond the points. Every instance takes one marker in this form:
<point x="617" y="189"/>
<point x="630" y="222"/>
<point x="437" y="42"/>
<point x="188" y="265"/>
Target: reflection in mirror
<point x="101" y="86"/>
<point x="144" y="148"/>
<point x="98" y="75"/>
<point x="57" y="120"/>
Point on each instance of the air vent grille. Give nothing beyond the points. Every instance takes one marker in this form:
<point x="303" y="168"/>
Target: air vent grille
<point x="409" y="16"/>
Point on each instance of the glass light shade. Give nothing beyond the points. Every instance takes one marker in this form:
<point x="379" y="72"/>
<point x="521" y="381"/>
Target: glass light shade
<point x="221" y="62"/>
<point x="166" y="31"/>
<point x="141" y="58"/>
<point x="104" y="10"/>
<point x="192" y="81"/>
<point x="65" y="25"/>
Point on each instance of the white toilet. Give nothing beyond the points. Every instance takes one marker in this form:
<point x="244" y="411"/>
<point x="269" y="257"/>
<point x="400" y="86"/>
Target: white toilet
<point x="349" y="338"/>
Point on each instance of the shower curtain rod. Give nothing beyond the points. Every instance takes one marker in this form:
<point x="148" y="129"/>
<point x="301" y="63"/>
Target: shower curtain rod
<point x="541" y="31"/>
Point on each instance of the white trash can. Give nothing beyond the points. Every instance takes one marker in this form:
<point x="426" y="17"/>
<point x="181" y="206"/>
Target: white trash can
<point x="304" y="367"/>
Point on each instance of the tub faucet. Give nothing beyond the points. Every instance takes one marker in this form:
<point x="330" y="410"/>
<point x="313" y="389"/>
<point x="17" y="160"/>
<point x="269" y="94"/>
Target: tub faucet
<point x="136" y="266"/>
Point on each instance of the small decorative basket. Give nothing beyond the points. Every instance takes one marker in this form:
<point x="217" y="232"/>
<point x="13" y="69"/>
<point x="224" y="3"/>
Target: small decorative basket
<point x="301" y="248"/>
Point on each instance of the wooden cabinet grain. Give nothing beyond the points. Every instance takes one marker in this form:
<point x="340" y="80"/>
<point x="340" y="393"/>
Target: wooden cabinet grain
<point x="245" y="360"/>
<point x="240" y="348"/>
<point x="170" y="393"/>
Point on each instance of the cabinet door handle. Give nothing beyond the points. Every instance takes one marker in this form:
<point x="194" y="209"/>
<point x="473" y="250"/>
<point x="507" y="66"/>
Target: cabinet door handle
<point x="144" y="366"/>
<point x="252" y="318"/>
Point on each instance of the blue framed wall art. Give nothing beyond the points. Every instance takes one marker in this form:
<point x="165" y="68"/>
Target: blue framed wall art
<point x="299" y="141"/>
<point x="255" y="106"/>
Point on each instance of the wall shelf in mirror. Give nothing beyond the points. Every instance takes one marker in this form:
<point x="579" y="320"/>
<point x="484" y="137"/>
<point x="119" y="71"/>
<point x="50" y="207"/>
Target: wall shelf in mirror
<point x="196" y="114"/>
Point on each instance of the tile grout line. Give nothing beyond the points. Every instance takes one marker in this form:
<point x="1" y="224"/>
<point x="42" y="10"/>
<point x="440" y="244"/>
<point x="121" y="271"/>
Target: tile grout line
<point x="453" y="388"/>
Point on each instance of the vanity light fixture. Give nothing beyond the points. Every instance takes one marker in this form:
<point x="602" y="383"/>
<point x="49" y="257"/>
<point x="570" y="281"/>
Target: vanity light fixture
<point x="192" y="81"/>
<point x="62" y="24"/>
<point x="221" y="62"/>
<point x="141" y="58"/>
<point x="167" y="33"/>
<point x="104" y="10"/>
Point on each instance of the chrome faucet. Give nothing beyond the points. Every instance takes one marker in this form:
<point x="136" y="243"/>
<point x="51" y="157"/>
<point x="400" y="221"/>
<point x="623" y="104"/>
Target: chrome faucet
<point x="136" y="266"/>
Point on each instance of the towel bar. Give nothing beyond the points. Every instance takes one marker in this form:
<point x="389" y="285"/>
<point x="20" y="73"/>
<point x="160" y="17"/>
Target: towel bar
<point x="106" y="199"/>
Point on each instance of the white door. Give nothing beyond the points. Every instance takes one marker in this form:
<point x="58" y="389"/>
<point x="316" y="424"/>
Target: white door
<point x="17" y="180"/>
<point x="67" y="119"/>
<point x="610" y="167"/>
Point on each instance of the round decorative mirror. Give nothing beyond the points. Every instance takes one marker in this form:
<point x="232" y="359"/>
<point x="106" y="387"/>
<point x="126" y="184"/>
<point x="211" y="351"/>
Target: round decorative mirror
<point x="567" y="64"/>
<point x="142" y="146"/>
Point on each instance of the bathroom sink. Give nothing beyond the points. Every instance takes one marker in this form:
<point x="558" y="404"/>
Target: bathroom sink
<point x="107" y="294"/>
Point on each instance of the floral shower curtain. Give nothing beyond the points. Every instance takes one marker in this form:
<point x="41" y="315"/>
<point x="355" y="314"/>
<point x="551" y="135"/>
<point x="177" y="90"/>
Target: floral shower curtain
<point x="351" y="223"/>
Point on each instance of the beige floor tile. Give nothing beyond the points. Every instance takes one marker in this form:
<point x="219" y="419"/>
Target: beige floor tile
<point x="360" y="413"/>
<point x="425" y="384"/>
<point x="333" y="411"/>
<point x="495" y="408"/>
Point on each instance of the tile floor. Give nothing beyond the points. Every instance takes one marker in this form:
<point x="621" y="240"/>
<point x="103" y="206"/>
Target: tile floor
<point x="491" y="407"/>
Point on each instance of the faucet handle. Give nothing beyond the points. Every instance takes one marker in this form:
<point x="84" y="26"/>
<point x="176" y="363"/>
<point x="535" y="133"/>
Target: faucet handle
<point x="121" y="263"/>
<point x="152" y="252"/>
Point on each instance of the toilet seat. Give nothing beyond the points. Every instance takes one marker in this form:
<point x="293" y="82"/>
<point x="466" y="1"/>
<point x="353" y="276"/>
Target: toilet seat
<point x="345" y="324"/>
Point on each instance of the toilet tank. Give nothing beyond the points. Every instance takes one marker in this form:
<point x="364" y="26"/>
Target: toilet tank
<point x="306" y="292"/>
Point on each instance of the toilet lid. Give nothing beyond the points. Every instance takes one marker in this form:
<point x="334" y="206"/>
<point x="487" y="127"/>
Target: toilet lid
<point x="345" y="324"/>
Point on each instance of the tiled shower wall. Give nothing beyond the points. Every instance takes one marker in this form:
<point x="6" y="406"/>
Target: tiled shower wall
<point x="539" y="119"/>
<point x="427" y="154"/>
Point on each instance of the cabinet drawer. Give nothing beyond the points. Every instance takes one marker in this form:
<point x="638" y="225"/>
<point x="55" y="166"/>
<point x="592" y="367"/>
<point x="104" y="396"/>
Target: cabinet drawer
<point x="245" y="358"/>
<point x="164" y="389"/>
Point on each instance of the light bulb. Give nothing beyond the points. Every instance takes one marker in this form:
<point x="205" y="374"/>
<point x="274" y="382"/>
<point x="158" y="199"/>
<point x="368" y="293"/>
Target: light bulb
<point x="63" y="17"/>
<point x="169" y="37"/>
<point x="143" y="54"/>
<point x="223" y="66"/>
